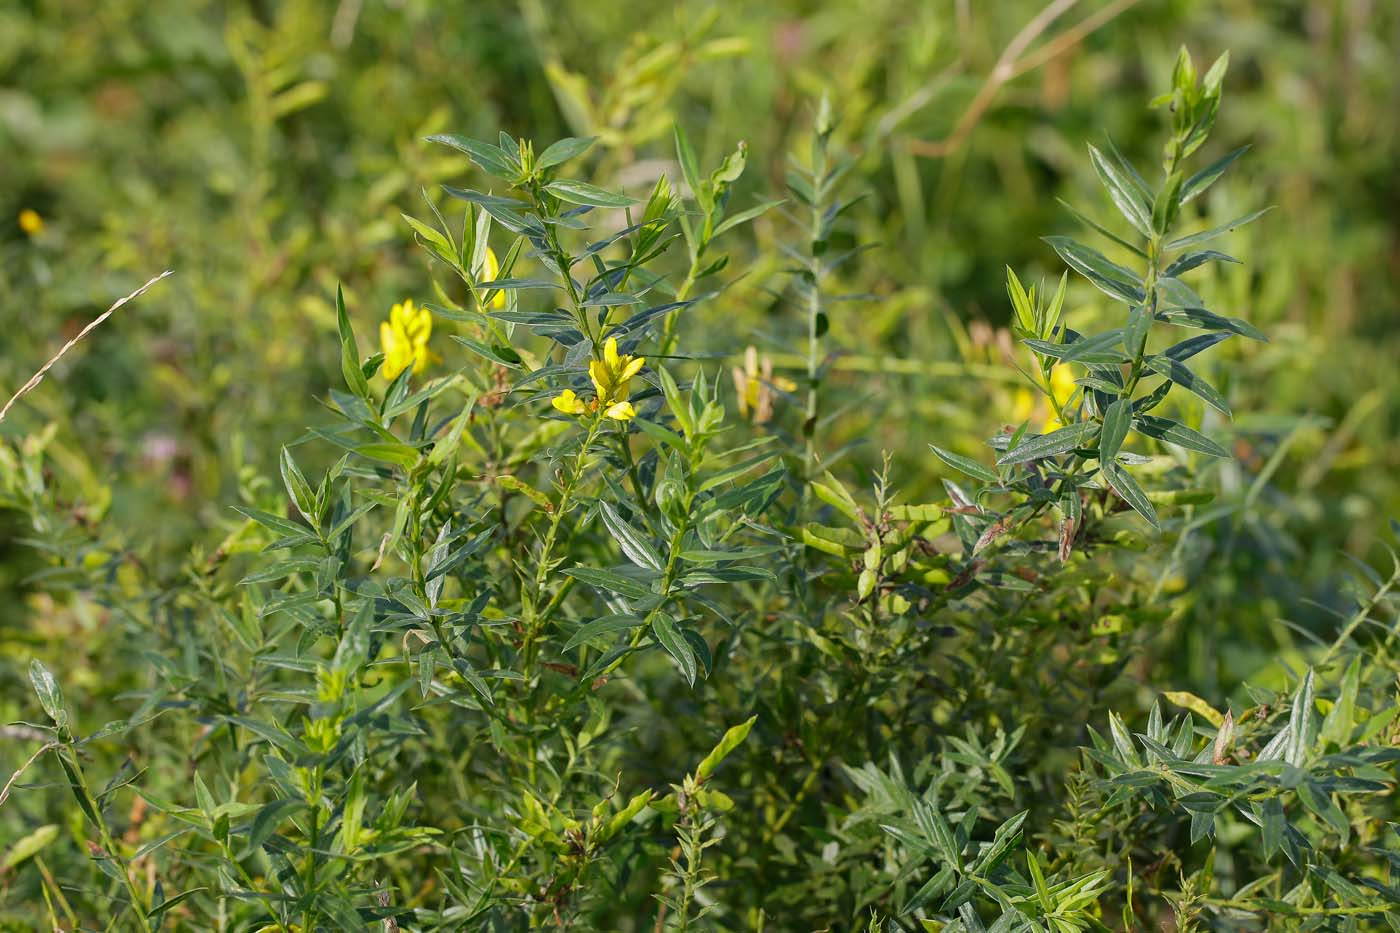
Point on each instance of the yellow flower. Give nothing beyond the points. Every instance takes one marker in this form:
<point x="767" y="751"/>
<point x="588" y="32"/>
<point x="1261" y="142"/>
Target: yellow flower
<point x="1061" y="388"/>
<point x="568" y="403"/>
<point x="30" y="222"/>
<point x="754" y="383"/>
<point x="404" y="339"/>
<point x="621" y="411"/>
<point x="1027" y="404"/>
<point x="613" y="373"/>
<point x="1062" y="382"/>
<point x="491" y="273"/>
<point x="1023" y="406"/>
<point x="612" y="377"/>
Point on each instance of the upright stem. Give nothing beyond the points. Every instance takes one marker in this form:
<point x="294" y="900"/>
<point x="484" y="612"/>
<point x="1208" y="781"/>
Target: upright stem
<point x="139" y="906"/>
<point x="534" y="617"/>
<point x="814" y="312"/>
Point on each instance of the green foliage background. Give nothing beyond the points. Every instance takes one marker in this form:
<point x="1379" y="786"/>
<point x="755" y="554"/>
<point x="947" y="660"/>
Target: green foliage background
<point x="265" y="152"/>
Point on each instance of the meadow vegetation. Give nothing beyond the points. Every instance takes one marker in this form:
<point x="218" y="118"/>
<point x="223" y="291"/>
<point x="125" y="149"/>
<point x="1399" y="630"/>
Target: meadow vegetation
<point x="751" y="469"/>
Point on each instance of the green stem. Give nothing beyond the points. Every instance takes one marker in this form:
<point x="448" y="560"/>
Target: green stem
<point x="535" y="619"/>
<point x="139" y="905"/>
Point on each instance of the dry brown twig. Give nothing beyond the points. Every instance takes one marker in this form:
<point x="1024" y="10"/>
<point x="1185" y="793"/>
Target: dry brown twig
<point x="43" y="370"/>
<point x="1010" y="65"/>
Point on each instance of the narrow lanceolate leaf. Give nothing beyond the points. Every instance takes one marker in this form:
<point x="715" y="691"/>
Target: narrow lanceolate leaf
<point x="1049" y="445"/>
<point x="1207" y="176"/>
<point x="690" y="168"/>
<point x="1202" y="319"/>
<point x="966" y="465"/>
<point x="732" y="738"/>
<point x="1178" y="435"/>
<point x="1136" y="331"/>
<point x="601" y="628"/>
<point x="1116" y="422"/>
<point x="1131" y="493"/>
<point x="1213" y="232"/>
<point x="1120" y="188"/>
<point x="633" y="543"/>
<point x="298" y="488"/>
<point x="1183" y="351"/>
<point x="1179" y="374"/>
<point x="490" y="158"/>
<point x="675" y="644"/>
<point x="350" y="369"/>
<point x="1110" y="278"/>
<point x="1100" y="228"/>
<point x="1300" y="723"/>
<point x="1191" y="260"/>
<point x="1104" y="349"/>
<point x="579" y="192"/>
<point x="50" y="695"/>
<point x="611" y="581"/>
<point x="563" y="151"/>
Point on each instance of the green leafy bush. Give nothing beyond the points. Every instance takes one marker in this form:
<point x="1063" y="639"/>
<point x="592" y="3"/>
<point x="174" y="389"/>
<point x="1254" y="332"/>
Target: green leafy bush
<point x="559" y="630"/>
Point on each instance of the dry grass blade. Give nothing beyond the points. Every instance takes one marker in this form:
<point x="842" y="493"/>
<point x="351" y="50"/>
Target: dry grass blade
<point x="43" y="370"/>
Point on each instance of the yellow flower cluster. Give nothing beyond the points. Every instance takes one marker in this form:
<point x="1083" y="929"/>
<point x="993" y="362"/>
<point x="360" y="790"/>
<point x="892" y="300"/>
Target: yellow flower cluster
<point x="404" y="339"/>
<point x="30" y="222"/>
<point x="611" y="377"/>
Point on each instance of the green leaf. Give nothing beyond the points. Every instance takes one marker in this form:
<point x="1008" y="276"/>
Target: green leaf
<point x="1099" y="350"/>
<point x="1116" y="422"/>
<point x="159" y="910"/>
<point x="298" y="489"/>
<point x="579" y="192"/>
<point x="269" y="818"/>
<point x="350" y="368"/>
<point x="1189" y="261"/>
<point x="745" y="216"/>
<point x="1300" y="722"/>
<point x="50" y="694"/>
<point x="1320" y="803"/>
<point x="1049" y="445"/>
<point x="565" y="149"/>
<point x="1179" y="374"/>
<point x="1131" y="493"/>
<point x="490" y="158"/>
<point x="966" y="465"/>
<point x="611" y="581"/>
<point x="600" y="627"/>
<point x="400" y="454"/>
<point x="1202" y="319"/>
<point x="1101" y="229"/>
<point x="675" y="644"/>
<point x="1178" y="435"/>
<point x="439" y="243"/>
<point x="1207" y="176"/>
<point x="1136" y="331"/>
<point x="1120" y="189"/>
<point x="26" y="847"/>
<point x="690" y="168"/>
<point x="732" y="739"/>
<point x="1213" y="232"/>
<point x="1341" y="718"/>
<point x="1183" y="351"/>
<point x="633" y="543"/>
<point x="269" y="732"/>
<point x="1109" y="277"/>
<point x="1164" y="208"/>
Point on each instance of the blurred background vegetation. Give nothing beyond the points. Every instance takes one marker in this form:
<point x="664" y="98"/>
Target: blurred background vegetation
<point x="264" y="151"/>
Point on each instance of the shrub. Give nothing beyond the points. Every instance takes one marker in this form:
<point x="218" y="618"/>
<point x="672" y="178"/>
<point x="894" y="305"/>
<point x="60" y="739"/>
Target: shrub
<point x="562" y="631"/>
